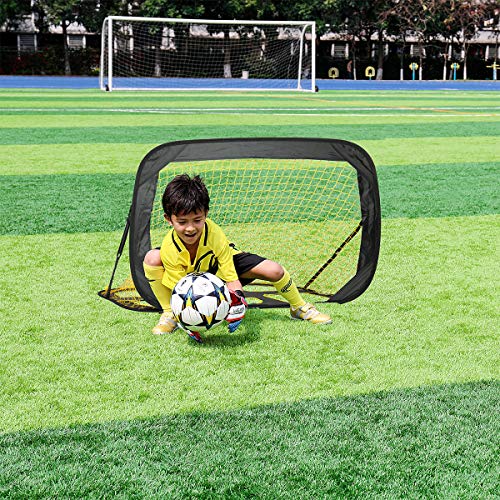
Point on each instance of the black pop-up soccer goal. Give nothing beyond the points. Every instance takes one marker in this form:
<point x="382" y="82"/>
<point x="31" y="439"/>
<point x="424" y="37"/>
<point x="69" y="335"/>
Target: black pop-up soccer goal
<point x="310" y="204"/>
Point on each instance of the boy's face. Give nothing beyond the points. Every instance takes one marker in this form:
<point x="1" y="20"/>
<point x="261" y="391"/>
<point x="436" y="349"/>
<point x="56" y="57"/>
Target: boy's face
<point x="188" y="227"/>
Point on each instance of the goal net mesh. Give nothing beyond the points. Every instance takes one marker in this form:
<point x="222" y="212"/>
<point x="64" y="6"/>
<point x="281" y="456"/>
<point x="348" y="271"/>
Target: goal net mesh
<point x="169" y="54"/>
<point x="304" y="214"/>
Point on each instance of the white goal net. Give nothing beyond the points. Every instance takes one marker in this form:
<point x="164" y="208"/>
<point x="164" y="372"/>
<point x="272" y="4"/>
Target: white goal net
<point x="186" y="54"/>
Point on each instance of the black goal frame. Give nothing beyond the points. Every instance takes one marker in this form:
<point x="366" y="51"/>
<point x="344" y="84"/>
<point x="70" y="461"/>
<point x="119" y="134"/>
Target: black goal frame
<point x="138" y="221"/>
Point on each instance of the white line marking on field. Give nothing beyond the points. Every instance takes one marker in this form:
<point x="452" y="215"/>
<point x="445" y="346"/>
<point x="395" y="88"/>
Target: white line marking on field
<point x="253" y="113"/>
<point x="326" y="111"/>
<point x="317" y="109"/>
<point x="276" y="108"/>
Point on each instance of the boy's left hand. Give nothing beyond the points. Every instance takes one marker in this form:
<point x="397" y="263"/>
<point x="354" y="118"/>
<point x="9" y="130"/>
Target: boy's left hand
<point x="237" y="310"/>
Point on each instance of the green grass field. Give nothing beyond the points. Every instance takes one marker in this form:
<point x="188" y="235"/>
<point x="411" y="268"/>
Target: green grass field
<point x="398" y="398"/>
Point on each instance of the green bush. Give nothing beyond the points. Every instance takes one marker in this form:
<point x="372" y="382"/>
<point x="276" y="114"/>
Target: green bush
<point x="49" y="60"/>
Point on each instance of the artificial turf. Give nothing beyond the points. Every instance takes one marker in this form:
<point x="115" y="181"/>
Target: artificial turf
<point x="159" y="134"/>
<point x="430" y="442"/>
<point x="101" y="158"/>
<point x="38" y="204"/>
<point x="397" y="398"/>
<point x="69" y="357"/>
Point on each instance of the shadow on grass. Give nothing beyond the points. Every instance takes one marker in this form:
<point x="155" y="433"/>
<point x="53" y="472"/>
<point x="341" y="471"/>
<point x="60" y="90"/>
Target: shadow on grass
<point x="437" y="441"/>
<point x="247" y="333"/>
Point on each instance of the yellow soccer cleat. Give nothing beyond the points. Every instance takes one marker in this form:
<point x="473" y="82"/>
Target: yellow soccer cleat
<point x="308" y="312"/>
<point x="166" y="324"/>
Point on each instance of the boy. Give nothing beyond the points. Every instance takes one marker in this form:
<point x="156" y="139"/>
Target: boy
<point x="196" y="243"/>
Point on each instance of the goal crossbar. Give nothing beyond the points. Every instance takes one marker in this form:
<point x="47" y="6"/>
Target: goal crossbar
<point x="232" y="22"/>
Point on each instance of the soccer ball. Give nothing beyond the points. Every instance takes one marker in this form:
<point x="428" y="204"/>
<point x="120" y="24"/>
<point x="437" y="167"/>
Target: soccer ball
<point x="200" y="301"/>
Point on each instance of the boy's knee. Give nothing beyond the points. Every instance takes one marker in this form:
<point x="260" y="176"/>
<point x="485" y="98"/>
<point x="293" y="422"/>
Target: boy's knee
<point x="275" y="271"/>
<point x="153" y="258"/>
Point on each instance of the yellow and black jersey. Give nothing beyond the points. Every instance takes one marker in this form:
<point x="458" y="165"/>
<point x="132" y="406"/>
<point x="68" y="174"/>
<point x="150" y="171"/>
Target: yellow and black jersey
<point x="214" y="255"/>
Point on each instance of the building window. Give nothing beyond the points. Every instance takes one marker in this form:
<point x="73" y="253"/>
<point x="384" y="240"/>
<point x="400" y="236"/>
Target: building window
<point x="339" y="50"/>
<point x="385" y="50"/>
<point x="416" y="51"/>
<point x="76" y="41"/>
<point x="26" y="42"/>
<point x="492" y="52"/>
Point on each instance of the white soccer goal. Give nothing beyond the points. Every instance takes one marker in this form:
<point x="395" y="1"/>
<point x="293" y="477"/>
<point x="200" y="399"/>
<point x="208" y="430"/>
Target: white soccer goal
<point x="139" y="53"/>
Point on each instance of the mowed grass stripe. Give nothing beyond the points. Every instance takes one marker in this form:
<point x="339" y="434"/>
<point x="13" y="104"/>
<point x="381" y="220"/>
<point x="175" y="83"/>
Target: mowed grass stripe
<point x="69" y="357"/>
<point x="429" y="442"/>
<point x="251" y="128"/>
<point x="97" y="99"/>
<point x="104" y="119"/>
<point x="338" y="113"/>
<point x="100" y="202"/>
<point x="439" y="190"/>
<point x="104" y="158"/>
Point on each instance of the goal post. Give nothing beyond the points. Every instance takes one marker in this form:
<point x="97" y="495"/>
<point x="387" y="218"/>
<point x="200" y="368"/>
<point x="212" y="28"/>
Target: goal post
<point x="310" y="204"/>
<point x="140" y="53"/>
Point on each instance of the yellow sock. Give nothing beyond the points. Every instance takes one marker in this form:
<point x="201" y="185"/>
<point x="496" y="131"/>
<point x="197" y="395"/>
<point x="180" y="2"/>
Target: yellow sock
<point x="288" y="290"/>
<point x="154" y="274"/>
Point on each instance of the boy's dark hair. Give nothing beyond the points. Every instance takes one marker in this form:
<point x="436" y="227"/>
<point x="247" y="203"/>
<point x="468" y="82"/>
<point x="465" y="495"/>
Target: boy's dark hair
<point x="184" y="194"/>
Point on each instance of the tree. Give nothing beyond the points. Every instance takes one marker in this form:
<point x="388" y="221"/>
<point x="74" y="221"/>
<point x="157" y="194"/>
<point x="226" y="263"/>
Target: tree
<point x="91" y="13"/>
<point x="447" y="30"/>
<point x="13" y="11"/>
<point x="492" y="24"/>
<point x="57" y="13"/>
<point x="215" y="9"/>
<point x="379" y="24"/>
<point x="344" y="17"/>
<point x="359" y="20"/>
<point x="417" y="17"/>
<point x="395" y="27"/>
<point x="246" y="10"/>
<point x="465" y="19"/>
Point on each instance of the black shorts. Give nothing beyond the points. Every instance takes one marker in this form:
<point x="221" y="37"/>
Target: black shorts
<point x="245" y="261"/>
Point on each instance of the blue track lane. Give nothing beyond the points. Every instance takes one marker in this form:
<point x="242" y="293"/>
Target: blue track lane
<point x="89" y="82"/>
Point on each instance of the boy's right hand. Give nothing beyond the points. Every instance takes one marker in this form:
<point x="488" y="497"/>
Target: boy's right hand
<point x="237" y="310"/>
